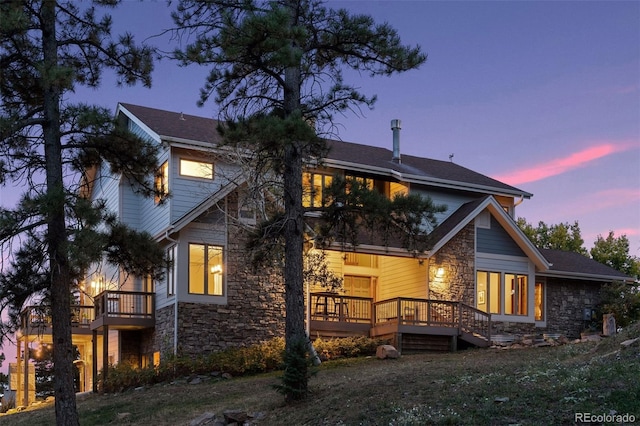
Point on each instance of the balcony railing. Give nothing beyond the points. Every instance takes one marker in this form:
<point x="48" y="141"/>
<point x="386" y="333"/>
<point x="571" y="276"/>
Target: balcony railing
<point x="124" y="304"/>
<point x="39" y="317"/>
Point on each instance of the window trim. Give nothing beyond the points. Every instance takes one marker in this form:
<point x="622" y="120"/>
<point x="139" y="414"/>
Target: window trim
<point x="206" y="285"/>
<point x="504" y="294"/>
<point x="196" y="161"/>
<point x="172" y="271"/>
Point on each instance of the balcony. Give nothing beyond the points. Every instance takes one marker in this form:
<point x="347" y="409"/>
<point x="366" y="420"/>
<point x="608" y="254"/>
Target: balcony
<point x="37" y="319"/>
<point x="124" y="310"/>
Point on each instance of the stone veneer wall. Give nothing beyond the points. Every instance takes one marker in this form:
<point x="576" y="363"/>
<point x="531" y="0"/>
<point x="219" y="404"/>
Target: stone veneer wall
<point x="254" y="312"/>
<point x="566" y="301"/>
<point x="457" y="257"/>
<point x="163" y="336"/>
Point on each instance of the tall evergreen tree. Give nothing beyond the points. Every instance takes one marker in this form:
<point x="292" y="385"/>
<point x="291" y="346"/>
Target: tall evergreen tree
<point x="47" y="49"/>
<point x="277" y="76"/>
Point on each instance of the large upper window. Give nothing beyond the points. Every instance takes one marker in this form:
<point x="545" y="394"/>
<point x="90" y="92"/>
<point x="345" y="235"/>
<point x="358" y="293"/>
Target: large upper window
<point x="499" y="293"/>
<point x="313" y="185"/>
<point x="205" y="270"/>
<point x="161" y="182"/>
<point x="197" y="169"/>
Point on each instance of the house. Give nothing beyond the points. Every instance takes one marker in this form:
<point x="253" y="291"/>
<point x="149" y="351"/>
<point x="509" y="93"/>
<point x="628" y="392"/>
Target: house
<point x="480" y="275"/>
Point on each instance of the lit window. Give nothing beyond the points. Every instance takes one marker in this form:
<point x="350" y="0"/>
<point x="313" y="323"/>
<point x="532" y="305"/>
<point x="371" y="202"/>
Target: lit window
<point x="205" y="270"/>
<point x="198" y="169"/>
<point x="313" y="186"/>
<point x="515" y="294"/>
<point x="171" y="271"/>
<point x="488" y="292"/>
<point x="161" y="182"/>
<point x="539" y="302"/>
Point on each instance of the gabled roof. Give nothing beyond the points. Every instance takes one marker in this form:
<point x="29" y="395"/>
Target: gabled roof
<point x="174" y="126"/>
<point x="575" y="265"/>
<point x="468" y="212"/>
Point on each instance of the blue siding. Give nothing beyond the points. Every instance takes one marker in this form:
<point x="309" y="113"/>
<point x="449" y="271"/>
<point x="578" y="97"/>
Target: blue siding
<point x="496" y="241"/>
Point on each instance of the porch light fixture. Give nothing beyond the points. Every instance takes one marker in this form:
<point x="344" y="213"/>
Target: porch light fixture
<point x="440" y="272"/>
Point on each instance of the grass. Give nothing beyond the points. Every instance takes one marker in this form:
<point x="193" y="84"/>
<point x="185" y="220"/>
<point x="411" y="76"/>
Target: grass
<point x="533" y="386"/>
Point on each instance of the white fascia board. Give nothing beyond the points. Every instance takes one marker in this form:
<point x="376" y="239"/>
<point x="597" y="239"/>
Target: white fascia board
<point x="141" y="124"/>
<point x="507" y="223"/>
<point x="409" y="178"/>
<point x="518" y="236"/>
<point x="188" y="143"/>
<point x="584" y="276"/>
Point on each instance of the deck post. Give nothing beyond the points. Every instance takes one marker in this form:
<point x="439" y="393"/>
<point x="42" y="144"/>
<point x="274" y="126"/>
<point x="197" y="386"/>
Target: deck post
<point x="94" y="359"/>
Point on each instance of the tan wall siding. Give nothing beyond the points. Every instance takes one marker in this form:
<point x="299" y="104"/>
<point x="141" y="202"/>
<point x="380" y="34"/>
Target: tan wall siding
<point x="402" y="277"/>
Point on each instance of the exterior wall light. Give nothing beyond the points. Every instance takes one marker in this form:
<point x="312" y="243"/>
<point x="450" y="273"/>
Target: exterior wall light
<point x="440" y="272"/>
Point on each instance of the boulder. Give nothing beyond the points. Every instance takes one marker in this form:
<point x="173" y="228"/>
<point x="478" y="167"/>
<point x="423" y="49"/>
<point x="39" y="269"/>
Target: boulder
<point x="387" y="351"/>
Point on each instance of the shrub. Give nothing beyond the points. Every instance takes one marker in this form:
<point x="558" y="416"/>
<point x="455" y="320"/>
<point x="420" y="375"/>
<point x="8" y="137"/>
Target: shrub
<point x="347" y="347"/>
<point x="260" y="358"/>
<point x="622" y="300"/>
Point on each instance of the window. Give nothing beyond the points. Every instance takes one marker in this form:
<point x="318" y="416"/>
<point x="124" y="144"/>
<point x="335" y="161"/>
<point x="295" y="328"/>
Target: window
<point x="539" y="302"/>
<point x="515" y="294"/>
<point x="492" y="287"/>
<point x="313" y="185"/>
<point x="246" y="210"/>
<point x="205" y="269"/>
<point x="488" y="288"/>
<point x="361" y="259"/>
<point x="161" y="183"/>
<point x="197" y="169"/>
<point x="171" y="271"/>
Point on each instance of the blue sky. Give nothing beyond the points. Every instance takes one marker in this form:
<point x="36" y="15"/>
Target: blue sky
<point x="542" y="95"/>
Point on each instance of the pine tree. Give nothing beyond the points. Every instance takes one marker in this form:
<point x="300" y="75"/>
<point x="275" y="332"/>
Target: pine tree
<point x="47" y="145"/>
<point x="277" y="76"/>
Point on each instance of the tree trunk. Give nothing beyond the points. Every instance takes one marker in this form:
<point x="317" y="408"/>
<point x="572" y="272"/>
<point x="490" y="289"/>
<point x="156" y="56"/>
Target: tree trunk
<point x="294" y="228"/>
<point x="65" y="397"/>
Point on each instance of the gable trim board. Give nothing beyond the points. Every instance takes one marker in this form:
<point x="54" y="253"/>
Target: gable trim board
<point x="503" y="219"/>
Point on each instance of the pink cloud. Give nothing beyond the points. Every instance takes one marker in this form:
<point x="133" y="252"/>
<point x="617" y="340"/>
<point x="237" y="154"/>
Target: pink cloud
<point x="562" y="165"/>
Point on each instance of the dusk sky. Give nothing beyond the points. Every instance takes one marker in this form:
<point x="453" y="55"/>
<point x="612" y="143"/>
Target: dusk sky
<point x="544" y="96"/>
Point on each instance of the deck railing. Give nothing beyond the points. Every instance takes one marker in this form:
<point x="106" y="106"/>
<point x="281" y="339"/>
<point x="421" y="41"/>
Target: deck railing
<point x="433" y="313"/>
<point x="125" y="304"/>
<point x="39" y="316"/>
<point x="336" y="307"/>
<point x="475" y="321"/>
<point x="408" y="311"/>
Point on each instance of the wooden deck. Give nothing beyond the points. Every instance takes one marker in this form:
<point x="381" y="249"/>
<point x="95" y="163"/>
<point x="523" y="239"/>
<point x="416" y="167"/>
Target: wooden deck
<point x="335" y="315"/>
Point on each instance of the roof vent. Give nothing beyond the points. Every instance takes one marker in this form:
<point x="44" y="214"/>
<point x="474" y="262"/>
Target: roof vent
<point x="396" y="125"/>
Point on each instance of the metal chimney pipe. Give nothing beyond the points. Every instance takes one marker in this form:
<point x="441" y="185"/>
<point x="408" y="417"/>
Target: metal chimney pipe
<point x="396" y="125"/>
